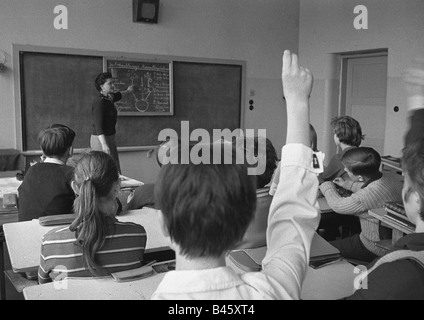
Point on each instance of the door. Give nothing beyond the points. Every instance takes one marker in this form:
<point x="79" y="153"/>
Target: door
<point x="365" y="97"/>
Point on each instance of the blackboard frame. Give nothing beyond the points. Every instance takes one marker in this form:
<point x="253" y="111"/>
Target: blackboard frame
<point x="143" y="91"/>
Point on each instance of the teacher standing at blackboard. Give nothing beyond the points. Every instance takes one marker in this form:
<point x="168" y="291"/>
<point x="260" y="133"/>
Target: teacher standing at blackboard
<point x="105" y="116"/>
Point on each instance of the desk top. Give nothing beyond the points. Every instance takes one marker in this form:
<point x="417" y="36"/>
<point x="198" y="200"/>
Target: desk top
<point x="9" y="185"/>
<point x="95" y="289"/>
<point x="24" y="238"/>
<point x="334" y="281"/>
<point x="380" y="214"/>
<point x="323" y="205"/>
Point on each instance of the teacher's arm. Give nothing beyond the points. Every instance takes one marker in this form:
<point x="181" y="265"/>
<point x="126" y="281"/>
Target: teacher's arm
<point x="104" y="144"/>
<point x="98" y="114"/>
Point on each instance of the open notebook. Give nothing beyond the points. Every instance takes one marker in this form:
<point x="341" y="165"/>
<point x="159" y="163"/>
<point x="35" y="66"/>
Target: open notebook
<point x="322" y="253"/>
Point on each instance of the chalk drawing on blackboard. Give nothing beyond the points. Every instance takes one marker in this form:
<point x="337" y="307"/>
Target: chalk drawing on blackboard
<point x="152" y="81"/>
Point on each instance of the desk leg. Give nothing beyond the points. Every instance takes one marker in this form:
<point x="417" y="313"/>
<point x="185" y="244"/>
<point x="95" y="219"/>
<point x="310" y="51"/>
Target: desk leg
<point x="396" y="235"/>
<point x="2" y="278"/>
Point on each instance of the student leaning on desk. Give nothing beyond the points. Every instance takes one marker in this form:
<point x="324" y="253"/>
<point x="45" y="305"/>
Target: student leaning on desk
<point x="399" y="275"/>
<point x="362" y="164"/>
<point x="96" y="243"/>
<point x="207" y="208"/>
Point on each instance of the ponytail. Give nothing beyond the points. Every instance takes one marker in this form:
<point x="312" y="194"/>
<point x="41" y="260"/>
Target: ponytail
<point x="94" y="180"/>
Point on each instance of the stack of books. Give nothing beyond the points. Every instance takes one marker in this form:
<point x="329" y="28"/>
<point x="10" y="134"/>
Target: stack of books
<point x="395" y="211"/>
<point x="395" y="162"/>
<point x="322" y="253"/>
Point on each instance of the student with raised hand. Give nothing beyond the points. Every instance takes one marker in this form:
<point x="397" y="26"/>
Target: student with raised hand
<point x="255" y="235"/>
<point x="96" y="243"/>
<point x="362" y="164"/>
<point x="46" y="189"/>
<point x="399" y="275"/>
<point x="276" y="176"/>
<point x="206" y="209"/>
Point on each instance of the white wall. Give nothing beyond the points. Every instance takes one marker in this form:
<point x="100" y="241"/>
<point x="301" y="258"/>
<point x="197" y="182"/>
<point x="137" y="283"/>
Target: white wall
<point x="250" y="30"/>
<point x="326" y="28"/>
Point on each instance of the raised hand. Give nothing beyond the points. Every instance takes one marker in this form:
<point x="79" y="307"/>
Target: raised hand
<point x="297" y="80"/>
<point x="297" y="87"/>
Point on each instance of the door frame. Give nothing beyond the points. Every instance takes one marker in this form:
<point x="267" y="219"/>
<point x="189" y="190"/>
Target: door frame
<point x="344" y="57"/>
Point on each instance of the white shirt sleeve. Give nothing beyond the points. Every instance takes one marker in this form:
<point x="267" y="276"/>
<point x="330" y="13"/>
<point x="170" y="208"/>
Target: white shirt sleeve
<point x="293" y="219"/>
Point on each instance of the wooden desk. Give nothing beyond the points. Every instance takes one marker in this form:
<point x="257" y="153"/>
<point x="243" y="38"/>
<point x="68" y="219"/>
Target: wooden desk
<point x="332" y="282"/>
<point x="323" y="205"/>
<point x="95" y="289"/>
<point x="398" y="229"/>
<point x="9" y="185"/>
<point x="24" y="238"/>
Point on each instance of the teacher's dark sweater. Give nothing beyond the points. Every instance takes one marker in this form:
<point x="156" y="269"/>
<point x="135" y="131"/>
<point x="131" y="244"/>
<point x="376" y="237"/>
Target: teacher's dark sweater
<point x="46" y="190"/>
<point x="105" y="114"/>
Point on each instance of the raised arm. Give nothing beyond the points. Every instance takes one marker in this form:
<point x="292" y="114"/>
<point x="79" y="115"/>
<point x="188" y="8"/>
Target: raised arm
<point x="297" y="86"/>
<point x="293" y="216"/>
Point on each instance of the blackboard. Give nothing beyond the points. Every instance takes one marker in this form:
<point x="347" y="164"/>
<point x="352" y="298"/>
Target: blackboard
<point x="59" y="88"/>
<point x="152" y="82"/>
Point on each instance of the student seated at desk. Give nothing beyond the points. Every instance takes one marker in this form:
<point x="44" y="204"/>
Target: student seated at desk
<point x="96" y="243"/>
<point x="399" y="275"/>
<point x="255" y="235"/>
<point x="347" y="135"/>
<point x="362" y="164"/>
<point x="143" y="196"/>
<point x="46" y="189"/>
<point x="206" y="209"/>
<point x="276" y="176"/>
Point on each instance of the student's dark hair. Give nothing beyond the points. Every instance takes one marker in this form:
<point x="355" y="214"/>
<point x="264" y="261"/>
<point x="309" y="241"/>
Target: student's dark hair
<point x="271" y="162"/>
<point x="348" y="130"/>
<point x="362" y="161"/>
<point x="56" y="140"/>
<point x="94" y="175"/>
<point x="413" y="166"/>
<point x="313" y="137"/>
<point x="101" y="80"/>
<point x="206" y="207"/>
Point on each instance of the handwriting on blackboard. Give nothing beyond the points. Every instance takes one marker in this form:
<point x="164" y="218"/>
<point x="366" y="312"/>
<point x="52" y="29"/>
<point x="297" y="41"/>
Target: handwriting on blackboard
<point x="152" y="86"/>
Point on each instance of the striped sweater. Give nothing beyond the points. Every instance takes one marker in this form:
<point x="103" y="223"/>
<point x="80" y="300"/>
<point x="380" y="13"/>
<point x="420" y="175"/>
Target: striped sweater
<point x="375" y="195"/>
<point x="62" y="257"/>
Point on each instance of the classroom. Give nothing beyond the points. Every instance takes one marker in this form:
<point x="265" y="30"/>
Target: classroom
<point x="349" y="46"/>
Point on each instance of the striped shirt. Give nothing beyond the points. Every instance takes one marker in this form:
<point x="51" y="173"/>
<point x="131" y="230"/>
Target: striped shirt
<point x="61" y="255"/>
<point x="374" y="195"/>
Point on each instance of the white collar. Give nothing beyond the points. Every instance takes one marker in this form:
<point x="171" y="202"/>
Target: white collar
<point x="53" y="160"/>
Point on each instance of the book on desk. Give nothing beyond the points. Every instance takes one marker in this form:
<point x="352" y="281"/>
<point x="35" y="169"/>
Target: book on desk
<point x="395" y="211"/>
<point x="391" y="160"/>
<point x="322" y="253"/>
